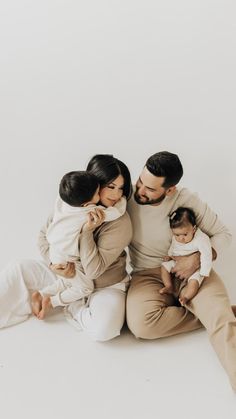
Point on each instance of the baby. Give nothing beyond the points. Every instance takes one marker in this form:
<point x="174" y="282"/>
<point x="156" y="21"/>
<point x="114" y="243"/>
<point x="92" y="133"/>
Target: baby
<point x="187" y="239"/>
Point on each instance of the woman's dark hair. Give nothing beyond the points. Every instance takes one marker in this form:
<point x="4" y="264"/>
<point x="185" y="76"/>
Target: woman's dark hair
<point x="107" y="168"/>
<point x="77" y="188"/>
<point x="167" y="165"/>
<point x="181" y="217"/>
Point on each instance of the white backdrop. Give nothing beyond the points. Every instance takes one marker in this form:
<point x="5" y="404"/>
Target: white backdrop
<point x="124" y="77"/>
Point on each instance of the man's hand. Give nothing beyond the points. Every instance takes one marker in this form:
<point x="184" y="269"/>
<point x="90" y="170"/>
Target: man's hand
<point x="67" y="271"/>
<point x="186" y="265"/>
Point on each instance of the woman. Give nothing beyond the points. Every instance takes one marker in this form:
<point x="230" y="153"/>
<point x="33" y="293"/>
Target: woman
<point x="102" y="258"/>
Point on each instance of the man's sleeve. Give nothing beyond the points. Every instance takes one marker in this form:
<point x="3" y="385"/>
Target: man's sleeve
<point x="209" y="222"/>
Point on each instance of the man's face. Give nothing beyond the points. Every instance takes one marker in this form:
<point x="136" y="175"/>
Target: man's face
<point x="149" y="189"/>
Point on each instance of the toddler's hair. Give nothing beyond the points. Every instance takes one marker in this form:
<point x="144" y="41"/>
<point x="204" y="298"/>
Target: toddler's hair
<point x="182" y="217"/>
<point x="78" y="188"/>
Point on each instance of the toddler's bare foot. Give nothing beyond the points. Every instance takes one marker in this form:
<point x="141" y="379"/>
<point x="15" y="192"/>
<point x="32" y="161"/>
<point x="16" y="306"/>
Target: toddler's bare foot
<point x="46" y="306"/>
<point x="166" y="290"/>
<point x="36" y="303"/>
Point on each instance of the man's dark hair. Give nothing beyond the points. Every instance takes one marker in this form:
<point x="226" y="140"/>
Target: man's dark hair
<point x="182" y="217"/>
<point x="107" y="168"/>
<point x="167" y="165"/>
<point x="77" y="188"/>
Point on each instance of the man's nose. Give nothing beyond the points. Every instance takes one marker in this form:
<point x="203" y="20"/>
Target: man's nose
<point x="141" y="190"/>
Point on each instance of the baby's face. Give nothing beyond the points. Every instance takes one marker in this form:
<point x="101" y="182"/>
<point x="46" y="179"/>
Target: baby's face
<point x="184" y="234"/>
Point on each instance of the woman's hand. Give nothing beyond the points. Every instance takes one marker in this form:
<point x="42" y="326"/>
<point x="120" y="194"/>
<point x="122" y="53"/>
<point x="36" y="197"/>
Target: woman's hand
<point x="67" y="270"/>
<point x="95" y="219"/>
<point x="186" y="265"/>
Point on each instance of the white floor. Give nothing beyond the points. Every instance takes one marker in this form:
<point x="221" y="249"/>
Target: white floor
<point x="49" y="369"/>
<point x="129" y="78"/>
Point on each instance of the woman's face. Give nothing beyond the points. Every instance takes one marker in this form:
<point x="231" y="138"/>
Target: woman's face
<point x="111" y="193"/>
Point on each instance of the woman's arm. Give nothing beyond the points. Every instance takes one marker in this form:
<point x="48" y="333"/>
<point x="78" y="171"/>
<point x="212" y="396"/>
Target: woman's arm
<point x="99" y="250"/>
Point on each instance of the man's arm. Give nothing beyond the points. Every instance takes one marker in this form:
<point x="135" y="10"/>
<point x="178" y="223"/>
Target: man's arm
<point x="187" y="265"/>
<point x="209" y="223"/>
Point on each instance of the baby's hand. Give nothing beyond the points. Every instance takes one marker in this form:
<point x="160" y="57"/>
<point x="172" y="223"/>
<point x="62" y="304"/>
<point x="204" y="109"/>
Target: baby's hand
<point x="167" y="258"/>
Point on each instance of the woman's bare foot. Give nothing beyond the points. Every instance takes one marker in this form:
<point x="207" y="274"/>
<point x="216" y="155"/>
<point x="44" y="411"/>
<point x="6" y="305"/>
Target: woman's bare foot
<point x="167" y="290"/>
<point x="36" y="303"/>
<point x="46" y="307"/>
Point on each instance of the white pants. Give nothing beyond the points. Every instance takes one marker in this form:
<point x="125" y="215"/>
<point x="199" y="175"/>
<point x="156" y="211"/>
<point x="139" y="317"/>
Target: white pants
<point x="101" y="318"/>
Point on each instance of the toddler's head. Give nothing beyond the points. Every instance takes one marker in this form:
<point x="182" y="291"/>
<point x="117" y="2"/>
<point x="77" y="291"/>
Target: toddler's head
<point x="183" y="224"/>
<point x="79" y="189"/>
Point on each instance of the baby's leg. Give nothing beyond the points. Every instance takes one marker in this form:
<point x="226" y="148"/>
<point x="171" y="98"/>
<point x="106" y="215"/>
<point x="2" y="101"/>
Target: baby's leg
<point x="46" y="307"/>
<point x="188" y="292"/>
<point x="166" y="279"/>
<point x="36" y="302"/>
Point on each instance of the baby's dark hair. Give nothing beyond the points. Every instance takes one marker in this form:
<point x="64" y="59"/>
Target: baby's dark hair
<point x="77" y="188"/>
<point x="181" y="217"/>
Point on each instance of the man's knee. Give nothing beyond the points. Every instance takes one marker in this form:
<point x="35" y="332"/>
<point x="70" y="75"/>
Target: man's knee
<point x="144" y="323"/>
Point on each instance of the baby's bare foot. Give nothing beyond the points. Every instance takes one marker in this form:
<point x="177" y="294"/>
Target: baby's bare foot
<point x="46" y="306"/>
<point x="166" y="290"/>
<point x="183" y="300"/>
<point x="36" y="303"/>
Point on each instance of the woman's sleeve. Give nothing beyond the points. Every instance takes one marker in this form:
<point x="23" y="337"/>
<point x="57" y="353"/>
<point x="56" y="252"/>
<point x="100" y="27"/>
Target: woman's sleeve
<point x="112" y="239"/>
<point x="43" y="243"/>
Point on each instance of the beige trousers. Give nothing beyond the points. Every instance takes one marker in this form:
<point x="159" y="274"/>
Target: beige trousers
<point x="151" y="315"/>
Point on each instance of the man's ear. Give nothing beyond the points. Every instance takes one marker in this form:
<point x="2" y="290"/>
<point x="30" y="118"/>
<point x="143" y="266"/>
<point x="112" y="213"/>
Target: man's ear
<point x="170" y="190"/>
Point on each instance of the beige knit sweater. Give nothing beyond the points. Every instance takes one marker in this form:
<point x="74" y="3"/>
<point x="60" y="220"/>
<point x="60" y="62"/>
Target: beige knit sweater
<point x="151" y="232"/>
<point x="102" y="254"/>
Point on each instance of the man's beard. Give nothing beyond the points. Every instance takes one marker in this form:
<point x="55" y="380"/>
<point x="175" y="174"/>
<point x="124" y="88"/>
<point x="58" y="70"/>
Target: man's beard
<point x="148" y="201"/>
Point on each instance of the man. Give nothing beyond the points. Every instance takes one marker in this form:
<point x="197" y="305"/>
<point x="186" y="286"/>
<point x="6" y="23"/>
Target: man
<point x="152" y="315"/>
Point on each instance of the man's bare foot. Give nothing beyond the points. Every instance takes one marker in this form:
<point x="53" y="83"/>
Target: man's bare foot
<point x="36" y="303"/>
<point x="166" y="290"/>
<point x="46" y="306"/>
<point x="234" y="310"/>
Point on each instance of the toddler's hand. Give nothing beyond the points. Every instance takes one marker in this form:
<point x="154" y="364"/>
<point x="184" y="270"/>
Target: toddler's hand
<point x="67" y="272"/>
<point x="95" y="219"/>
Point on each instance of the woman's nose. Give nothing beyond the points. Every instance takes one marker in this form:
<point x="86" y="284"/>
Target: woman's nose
<point x="115" y="193"/>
